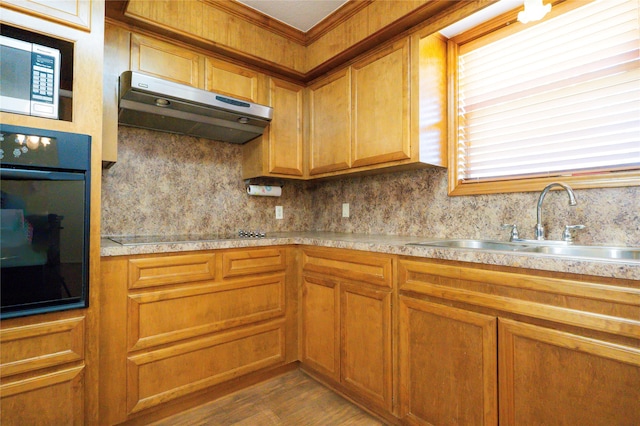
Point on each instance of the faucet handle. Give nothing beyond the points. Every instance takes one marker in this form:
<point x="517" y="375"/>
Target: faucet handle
<point x="514" y="230"/>
<point x="567" y="235"/>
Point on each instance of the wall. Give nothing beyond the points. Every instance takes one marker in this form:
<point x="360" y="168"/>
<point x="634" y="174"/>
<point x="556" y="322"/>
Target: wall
<point x="172" y="185"/>
<point x="169" y="184"/>
<point x="416" y="203"/>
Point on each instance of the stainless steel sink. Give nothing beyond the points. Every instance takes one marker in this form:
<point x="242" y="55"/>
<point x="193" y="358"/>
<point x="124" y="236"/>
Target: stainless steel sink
<point x="621" y="253"/>
<point x="472" y="244"/>
<point x="546" y="247"/>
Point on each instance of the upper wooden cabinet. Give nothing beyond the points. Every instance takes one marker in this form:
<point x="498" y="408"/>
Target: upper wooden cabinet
<point x="381" y="105"/>
<point x="330" y="123"/>
<point x="167" y="61"/>
<point x="384" y="112"/>
<point x="279" y="151"/>
<point x="232" y="80"/>
<point x="74" y="13"/>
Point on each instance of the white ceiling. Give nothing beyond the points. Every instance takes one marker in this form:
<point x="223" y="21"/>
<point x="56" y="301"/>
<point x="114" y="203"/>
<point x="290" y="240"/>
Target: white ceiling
<point x="300" y="14"/>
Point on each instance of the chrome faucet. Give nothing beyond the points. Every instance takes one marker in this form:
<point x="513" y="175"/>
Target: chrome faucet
<point x="572" y="202"/>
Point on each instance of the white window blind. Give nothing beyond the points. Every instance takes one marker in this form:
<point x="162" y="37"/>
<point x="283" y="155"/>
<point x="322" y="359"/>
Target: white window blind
<point x="558" y="98"/>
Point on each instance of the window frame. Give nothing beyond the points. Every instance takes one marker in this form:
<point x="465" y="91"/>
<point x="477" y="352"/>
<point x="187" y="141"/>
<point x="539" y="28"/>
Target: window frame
<point x="499" y="27"/>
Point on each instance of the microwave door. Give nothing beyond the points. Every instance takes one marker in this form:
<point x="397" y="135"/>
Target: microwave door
<point x="15" y="69"/>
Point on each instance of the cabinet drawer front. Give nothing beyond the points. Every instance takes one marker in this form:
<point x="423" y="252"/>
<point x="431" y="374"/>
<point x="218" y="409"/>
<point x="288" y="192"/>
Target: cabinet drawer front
<point x="366" y="267"/>
<point x="43" y="345"/>
<point x="246" y="262"/>
<point x="167" y="316"/>
<point x="60" y="398"/>
<point x="165" y="270"/>
<point x="166" y="374"/>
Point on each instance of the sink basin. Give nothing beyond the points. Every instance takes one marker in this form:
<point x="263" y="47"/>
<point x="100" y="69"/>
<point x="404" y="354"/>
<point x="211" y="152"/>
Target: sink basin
<point x="552" y="248"/>
<point x="621" y="253"/>
<point x="472" y="244"/>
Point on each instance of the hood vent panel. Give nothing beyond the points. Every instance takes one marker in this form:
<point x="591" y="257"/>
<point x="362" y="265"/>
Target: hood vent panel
<point x="152" y="103"/>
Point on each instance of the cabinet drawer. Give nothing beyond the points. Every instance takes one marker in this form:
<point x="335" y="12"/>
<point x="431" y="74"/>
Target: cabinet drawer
<point x="169" y="373"/>
<point x="59" y="396"/>
<point x="246" y="262"/>
<point x="155" y="271"/>
<point x="370" y="268"/>
<point x="43" y="345"/>
<point x="161" y="317"/>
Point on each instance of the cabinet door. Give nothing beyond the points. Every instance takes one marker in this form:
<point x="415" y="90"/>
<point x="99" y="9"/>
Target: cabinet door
<point x="72" y="13"/>
<point x="166" y="60"/>
<point x="230" y="79"/>
<point x="285" y="131"/>
<point x="381" y="108"/>
<point x="366" y="343"/>
<point x="320" y="326"/>
<point x="447" y="365"/>
<point x="553" y="377"/>
<point x="330" y="124"/>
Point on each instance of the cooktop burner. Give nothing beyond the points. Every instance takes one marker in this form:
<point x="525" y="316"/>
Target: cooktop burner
<point x="168" y="239"/>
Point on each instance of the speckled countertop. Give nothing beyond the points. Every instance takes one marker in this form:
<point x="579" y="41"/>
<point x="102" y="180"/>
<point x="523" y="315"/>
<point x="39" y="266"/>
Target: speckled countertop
<point x="393" y="244"/>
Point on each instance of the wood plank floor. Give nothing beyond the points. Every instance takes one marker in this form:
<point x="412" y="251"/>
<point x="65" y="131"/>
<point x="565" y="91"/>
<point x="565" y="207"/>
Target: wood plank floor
<point x="292" y="399"/>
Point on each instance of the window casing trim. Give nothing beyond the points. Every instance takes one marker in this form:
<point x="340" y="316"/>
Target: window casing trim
<point x="500" y="25"/>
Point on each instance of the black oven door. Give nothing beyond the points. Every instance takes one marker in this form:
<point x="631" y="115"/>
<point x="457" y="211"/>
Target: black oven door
<point x="44" y="241"/>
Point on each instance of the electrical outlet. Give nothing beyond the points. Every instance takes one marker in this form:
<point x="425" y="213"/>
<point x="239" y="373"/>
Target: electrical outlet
<point x="279" y="212"/>
<point x="345" y="209"/>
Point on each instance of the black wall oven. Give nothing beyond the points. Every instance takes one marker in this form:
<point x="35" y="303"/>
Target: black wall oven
<point x="44" y="238"/>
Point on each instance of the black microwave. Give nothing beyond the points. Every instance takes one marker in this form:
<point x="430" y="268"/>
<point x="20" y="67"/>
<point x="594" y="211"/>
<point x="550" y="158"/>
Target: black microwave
<point x="29" y="78"/>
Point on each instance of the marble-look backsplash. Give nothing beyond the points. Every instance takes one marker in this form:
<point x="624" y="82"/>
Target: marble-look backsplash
<point x="171" y="184"/>
<point x="166" y="184"/>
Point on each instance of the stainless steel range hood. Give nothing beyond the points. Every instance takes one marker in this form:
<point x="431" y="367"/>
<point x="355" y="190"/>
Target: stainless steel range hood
<point x="153" y="103"/>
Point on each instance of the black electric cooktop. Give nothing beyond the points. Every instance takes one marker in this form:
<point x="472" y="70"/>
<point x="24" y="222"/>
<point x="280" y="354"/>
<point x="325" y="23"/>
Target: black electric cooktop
<point x="188" y="238"/>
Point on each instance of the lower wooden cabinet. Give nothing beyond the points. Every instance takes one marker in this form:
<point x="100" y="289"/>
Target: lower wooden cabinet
<point x="499" y="345"/>
<point x="321" y="326"/>
<point x="365" y="334"/>
<point x="43" y="371"/>
<point x="177" y="325"/>
<point x="553" y="377"/>
<point x="346" y="322"/>
<point x="448" y="371"/>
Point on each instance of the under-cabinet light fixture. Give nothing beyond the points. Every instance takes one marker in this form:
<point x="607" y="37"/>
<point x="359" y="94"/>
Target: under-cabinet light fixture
<point x="534" y="10"/>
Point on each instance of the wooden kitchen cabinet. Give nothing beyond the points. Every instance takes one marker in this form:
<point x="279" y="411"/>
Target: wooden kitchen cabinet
<point x="386" y="111"/>
<point x="346" y="322"/>
<point x="233" y="80"/>
<point x="381" y="106"/>
<point x="330" y="123"/>
<point x="73" y="14"/>
<point x="166" y="61"/>
<point x="448" y="364"/>
<point x="554" y="377"/>
<point x="320" y="318"/>
<point x="365" y="335"/>
<point x="180" y="326"/>
<point x="279" y="151"/>
<point x="567" y="348"/>
<point x="49" y="361"/>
